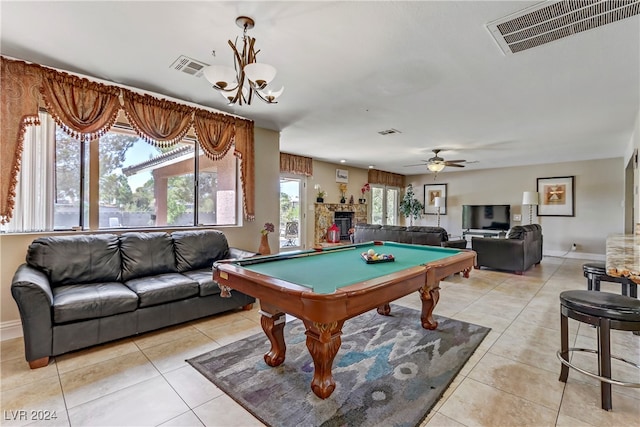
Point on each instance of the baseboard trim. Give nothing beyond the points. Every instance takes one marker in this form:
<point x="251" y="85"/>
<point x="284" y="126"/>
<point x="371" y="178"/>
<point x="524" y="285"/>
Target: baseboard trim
<point x="11" y="329"/>
<point x="576" y="255"/>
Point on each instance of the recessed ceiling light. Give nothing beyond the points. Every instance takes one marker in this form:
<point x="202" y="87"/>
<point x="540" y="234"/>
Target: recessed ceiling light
<point x="343" y="161"/>
<point x="371" y="166"/>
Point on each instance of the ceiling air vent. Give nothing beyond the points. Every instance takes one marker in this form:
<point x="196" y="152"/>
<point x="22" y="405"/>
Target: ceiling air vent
<point x="187" y="65"/>
<point x="389" y="131"/>
<point x="553" y="20"/>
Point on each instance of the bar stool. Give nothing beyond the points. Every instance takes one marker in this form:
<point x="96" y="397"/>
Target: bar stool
<point x="606" y="311"/>
<point x="596" y="272"/>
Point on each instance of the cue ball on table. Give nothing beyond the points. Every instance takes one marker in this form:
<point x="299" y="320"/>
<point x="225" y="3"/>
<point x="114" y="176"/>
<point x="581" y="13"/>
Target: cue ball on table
<point x="371" y="252"/>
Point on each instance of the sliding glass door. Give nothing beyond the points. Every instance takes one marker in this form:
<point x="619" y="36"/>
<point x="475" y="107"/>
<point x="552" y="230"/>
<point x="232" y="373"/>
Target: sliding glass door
<point x="291" y="213"/>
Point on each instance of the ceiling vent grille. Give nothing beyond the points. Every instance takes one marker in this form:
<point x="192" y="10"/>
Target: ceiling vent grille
<point x="389" y="131"/>
<point x="187" y="65"/>
<point x="550" y="21"/>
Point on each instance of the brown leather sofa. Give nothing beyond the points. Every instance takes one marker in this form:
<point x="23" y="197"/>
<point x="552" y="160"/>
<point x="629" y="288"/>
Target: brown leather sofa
<point x="521" y="249"/>
<point x="432" y="236"/>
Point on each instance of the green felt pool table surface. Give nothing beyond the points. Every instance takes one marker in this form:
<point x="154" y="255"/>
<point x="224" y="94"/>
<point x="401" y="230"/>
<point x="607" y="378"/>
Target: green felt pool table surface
<point x="335" y="268"/>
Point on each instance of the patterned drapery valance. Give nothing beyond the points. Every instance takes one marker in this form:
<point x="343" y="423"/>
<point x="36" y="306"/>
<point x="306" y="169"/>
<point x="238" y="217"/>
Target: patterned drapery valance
<point x="299" y="165"/>
<point x="86" y="110"/>
<point x="386" y="178"/>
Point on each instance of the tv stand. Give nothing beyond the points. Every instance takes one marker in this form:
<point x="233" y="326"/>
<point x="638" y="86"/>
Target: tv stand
<point x="484" y="233"/>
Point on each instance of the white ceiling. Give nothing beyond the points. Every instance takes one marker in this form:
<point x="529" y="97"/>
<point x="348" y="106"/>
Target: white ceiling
<point x="351" y="69"/>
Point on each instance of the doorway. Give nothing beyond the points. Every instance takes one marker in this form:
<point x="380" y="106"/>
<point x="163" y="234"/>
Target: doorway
<point x="291" y="214"/>
<point x="384" y="205"/>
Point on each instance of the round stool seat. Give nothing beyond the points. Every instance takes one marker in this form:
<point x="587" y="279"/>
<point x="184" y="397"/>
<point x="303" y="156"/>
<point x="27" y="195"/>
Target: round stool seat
<point x="602" y="304"/>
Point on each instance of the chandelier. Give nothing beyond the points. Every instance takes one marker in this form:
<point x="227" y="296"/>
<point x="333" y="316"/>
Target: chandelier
<point x="231" y="81"/>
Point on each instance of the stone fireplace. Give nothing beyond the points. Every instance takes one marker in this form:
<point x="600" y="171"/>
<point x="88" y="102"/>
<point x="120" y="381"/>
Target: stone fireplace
<point x="344" y="215"/>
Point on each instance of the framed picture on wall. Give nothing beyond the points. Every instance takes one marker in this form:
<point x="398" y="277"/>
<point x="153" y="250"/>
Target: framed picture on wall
<point x="431" y="191"/>
<point x="557" y="196"/>
<point x="342" y="175"/>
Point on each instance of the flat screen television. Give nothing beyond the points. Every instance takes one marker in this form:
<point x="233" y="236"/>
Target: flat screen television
<point x="486" y="217"/>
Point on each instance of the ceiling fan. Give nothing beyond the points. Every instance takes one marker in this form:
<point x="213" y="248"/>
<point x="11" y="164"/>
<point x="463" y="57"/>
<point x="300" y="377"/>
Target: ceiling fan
<point x="437" y="163"/>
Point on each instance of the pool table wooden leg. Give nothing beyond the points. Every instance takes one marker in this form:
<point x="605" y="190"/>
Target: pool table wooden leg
<point x="384" y="310"/>
<point x="429" y="299"/>
<point x="273" y="326"/>
<point x="323" y="342"/>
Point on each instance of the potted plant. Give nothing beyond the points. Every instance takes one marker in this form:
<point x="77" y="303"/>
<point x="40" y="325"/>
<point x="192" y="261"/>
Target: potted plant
<point x="366" y="187"/>
<point x="343" y="193"/>
<point x="410" y="207"/>
<point x="320" y="193"/>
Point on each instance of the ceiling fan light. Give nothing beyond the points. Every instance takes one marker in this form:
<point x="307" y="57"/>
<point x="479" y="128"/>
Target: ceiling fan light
<point x="220" y="76"/>
<point x="435" y="166"/>
<point x="260" y="74"/>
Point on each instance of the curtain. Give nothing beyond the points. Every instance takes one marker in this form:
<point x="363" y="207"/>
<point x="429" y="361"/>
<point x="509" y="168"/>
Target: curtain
<point x="299" y="165"/>
<point x="158" y="121"/>
<point x="386" y="178"/>
<point x="215" y="133"/>
<point x="83" y="109"/>
<point x="19" y="100"/>
<point x="245" y="151"/>
<point x="86" y="110"/>
<point x="35" y="186"/>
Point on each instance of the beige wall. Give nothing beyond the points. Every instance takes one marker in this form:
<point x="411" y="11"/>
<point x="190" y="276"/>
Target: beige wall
<point x="599" y="193"/>
<point x="13" y="247"/>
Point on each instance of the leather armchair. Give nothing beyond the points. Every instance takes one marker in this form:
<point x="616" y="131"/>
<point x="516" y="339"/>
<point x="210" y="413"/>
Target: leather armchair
<point x="521" y="249"/>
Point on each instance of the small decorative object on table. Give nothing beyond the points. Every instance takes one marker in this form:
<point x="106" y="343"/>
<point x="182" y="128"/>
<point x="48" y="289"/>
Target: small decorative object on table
<point x="320" y="193"/>
<point x="366" y="187"/>
<point x="351" y="199"/>
<point x="371" y="257"/>
<point x="264" y="248"/>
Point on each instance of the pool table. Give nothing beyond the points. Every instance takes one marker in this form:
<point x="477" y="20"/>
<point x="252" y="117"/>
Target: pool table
<point x="324" y="288"/>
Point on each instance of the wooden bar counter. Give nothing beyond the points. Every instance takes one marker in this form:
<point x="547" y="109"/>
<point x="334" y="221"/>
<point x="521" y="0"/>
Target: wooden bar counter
<point x="623" y="256"/>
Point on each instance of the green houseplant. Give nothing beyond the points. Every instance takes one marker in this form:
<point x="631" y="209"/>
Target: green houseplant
<point x="410" y="207"/>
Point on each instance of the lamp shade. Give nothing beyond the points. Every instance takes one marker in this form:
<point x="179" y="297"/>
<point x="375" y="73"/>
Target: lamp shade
<point x="530" y="198"/>
<point x="438" y="202"/>
<point x="435" y="166"/>
<point x="221" y="76"/>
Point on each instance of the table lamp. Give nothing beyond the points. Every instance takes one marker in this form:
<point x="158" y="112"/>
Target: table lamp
<point x="530" y="198"/>
<point x="438" y="202"/>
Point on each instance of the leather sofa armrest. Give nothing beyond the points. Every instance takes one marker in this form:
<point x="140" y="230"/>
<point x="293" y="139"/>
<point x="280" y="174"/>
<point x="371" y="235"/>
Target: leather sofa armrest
<point x="237" y="253"/>
<point x="31" y="290"/>
<point x="458" y="244"/>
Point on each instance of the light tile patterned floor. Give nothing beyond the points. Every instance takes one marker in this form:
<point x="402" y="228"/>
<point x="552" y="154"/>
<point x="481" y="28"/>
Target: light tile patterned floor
<point x="511" y="380"/>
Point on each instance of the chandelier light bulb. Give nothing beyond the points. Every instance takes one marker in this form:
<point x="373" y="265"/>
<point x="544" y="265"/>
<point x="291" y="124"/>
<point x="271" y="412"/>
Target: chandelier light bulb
<point x="220" y="76"/>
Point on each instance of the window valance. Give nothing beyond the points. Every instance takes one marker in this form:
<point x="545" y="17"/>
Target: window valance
<point x="86" y="110"/>
<point x="385" y="178"/>
<point x="299" y="165"/>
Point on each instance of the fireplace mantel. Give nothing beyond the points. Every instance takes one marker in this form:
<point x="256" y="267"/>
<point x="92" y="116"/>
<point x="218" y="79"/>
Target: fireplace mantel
<point x="324" y="217"/>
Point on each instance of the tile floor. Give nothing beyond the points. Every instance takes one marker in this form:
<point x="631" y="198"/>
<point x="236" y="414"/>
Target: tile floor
<point x="511" y="380"/>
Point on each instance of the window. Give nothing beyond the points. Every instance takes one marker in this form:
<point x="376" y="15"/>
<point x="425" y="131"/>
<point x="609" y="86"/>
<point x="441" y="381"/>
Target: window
<point x="139" y="184"/>
<point x="384" y="205"/>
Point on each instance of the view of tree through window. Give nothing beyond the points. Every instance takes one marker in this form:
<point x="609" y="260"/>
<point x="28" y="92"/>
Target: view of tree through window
<point x="139" y="185"/>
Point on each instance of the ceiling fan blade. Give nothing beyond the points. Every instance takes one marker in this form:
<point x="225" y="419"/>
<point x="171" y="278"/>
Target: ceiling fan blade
<point x="455" y="165"/>
<point x="419" y="164"/>
<point x="455" y="161"/>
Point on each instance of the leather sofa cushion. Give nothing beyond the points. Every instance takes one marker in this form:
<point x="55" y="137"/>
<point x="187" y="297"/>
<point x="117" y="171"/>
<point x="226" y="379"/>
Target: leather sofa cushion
<point x="199" y="248"/>
<point x="432" y="236"/>
<point x="516" y="232"/>
<point x="146" y="254"/>
<point x="163" y="288"/>
<point x="76" y="259"/>
<point x="205" y="280"/>
<point x="90" y="301"/>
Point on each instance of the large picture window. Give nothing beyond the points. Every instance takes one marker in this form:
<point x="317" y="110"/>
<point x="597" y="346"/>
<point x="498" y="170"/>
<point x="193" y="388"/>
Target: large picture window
<point x="139" y="185"/>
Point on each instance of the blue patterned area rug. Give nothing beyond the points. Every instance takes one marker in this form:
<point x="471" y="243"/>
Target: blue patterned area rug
<point x="389" y="371"/>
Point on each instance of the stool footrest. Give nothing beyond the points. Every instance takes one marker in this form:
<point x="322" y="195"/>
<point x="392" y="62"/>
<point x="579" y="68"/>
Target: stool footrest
<point x="559" y="354"/>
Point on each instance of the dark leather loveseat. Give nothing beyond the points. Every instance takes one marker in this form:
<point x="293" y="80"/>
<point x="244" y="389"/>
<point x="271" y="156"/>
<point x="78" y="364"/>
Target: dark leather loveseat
<point x="82" y="290"/>
<point x="433" y="236"/>
<point x="521" y="249"/>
